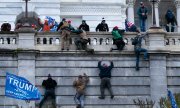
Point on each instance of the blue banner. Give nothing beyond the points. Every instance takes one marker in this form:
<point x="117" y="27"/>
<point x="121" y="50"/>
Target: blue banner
<point x="20" y="88"/>
<point x="172" y="99"/>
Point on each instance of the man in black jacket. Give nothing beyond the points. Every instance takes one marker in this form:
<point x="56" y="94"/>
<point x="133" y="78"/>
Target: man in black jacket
<point x="102" y="26"/>
<point x="170" y="20"/>
<point x="84" y="26"/>
<point x="6" y="26"/>
<point x="49" y="85"/>
<point x="105" y="75"/>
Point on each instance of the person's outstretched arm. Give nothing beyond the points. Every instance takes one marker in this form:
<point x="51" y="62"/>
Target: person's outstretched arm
<point x="112" y="65"/>
<point x="99" y="65"/>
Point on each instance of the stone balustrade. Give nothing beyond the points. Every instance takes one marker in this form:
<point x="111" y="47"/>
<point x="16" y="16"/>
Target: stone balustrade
<point x="172" y="39"/>
<point x="9" y="40"/>
<point x="100" y="41"/>
<point x="157" y="75"/>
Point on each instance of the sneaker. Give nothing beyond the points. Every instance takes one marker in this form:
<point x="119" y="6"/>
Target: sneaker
<point x="112" y="96"/>
<point x="101" y="97"/>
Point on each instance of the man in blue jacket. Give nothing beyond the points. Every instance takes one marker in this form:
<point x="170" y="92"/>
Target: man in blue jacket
<point x="105" y="75"/>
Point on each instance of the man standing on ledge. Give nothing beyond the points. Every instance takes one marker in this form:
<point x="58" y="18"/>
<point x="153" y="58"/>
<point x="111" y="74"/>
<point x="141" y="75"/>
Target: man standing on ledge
<point x="142" y="12"/>
<point x="103" y="26"/>
<point x="105" y="75"/>
<point x="49" y="85"/>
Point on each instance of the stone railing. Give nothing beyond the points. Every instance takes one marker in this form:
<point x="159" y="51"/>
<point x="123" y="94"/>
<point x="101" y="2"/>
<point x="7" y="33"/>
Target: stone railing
<point x="172" y="39"/>
<point x="8" y="40"/>
<point x="100" y="41"/>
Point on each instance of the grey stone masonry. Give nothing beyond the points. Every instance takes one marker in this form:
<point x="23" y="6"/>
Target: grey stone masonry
<point x="35" y="55"/>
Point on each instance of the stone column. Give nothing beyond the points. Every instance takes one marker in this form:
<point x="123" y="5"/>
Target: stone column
<point x="157" y="64"/>
<point x="26" y="60"/>
<point x="131" y="10"/>
<point x="156" y="6"/>
<point x="157" y="13"/>
<point x="177" y="3"/>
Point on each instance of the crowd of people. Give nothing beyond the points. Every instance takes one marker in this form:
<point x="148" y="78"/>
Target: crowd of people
<point x="50" y="24"/>
<point x="80" y="84"/>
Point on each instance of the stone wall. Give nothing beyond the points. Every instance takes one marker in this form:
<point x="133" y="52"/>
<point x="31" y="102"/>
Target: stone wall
<point x="37" y="58"/>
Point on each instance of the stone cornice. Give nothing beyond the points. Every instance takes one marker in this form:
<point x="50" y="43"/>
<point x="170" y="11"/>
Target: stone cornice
<point x="131" y="3"/>
<point x="91" y="9"/>
<point x="91" y="4"/>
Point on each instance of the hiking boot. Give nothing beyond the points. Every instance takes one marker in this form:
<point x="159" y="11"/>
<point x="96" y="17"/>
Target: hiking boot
<point x="101" y="97"/>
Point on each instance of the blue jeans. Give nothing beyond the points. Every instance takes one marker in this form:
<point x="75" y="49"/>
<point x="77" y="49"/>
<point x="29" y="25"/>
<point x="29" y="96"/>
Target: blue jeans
<point x="142" y="24"/>
<point x="79" y="99"/>
<point x="138" y="51"/>
<point x="51" y="93"/>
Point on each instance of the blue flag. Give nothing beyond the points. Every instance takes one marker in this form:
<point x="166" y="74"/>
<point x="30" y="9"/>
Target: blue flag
<point x="172" y="99"/>
<point x="20" y="88"/>
<point x="50" y="20"/>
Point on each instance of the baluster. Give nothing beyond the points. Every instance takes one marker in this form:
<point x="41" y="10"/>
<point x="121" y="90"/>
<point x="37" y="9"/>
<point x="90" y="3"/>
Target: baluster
<point x="41" y="40"/>
<point x="176" y="41"/>
<point x="112" y="41"/>
<point x="72" y="40"/>
<point x="126" y="41"/>
<point x="57" y="41"/>
<point x="14" y="41"/>
<point x="107" y="42"/>
<point x="95" y="41"/>
<point x="1" y="41"/>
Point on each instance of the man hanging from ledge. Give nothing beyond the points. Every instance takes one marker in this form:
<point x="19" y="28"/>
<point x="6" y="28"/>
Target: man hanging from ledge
<point x="80" y="85"/>
<point x="118" y="38"/>
<point x="49" y="85"/>
<point x="81" y="43"/>
<point x="105" y="68"/>
<point x="137" y="48"/>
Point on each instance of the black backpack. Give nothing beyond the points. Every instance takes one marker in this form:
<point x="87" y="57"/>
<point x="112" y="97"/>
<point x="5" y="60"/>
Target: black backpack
<point x="135" y="41"/>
